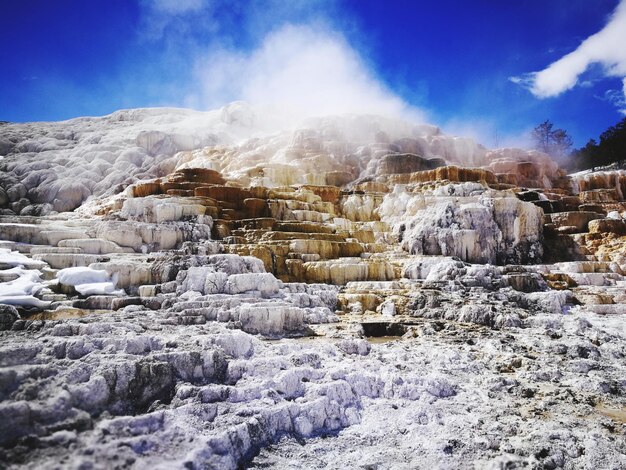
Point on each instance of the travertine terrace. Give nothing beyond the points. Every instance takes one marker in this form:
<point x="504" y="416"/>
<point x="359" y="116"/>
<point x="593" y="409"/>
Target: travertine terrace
<point x="210" y="290"/>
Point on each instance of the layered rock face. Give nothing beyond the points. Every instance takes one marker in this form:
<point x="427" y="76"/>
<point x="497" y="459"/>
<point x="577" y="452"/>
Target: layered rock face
<point x="468" y="221"/>
<point x="189" y="289"/>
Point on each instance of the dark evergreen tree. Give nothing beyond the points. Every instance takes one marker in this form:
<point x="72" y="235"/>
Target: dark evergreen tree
<point x="552" y="141"/>
<point x="611" y="148"/>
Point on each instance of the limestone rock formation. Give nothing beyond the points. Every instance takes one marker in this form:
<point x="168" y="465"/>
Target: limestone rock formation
<point x="184" y="289"/>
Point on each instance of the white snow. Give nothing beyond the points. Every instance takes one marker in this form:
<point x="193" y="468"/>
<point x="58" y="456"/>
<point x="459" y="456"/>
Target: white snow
<point x="15" y="259"/>
<point x="22" y="291"/>
<point x="88" y="281"/>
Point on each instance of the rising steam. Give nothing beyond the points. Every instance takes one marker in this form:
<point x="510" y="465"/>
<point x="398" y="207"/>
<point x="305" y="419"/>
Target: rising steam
<point x="301" y="71"/>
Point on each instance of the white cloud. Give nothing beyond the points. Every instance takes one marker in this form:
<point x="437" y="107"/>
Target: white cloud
<point x="605" y="48"/>
<point x="300" y="70"/>
<point x="617" y="97"/>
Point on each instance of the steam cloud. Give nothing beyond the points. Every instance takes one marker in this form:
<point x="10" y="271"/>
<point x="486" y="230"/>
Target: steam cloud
<point x="298" y="64"/>
<point x="176" y="21"/>
<point x="301" y="70"/>
<point x="604" y="48"/>
<point x="178" y="6"/>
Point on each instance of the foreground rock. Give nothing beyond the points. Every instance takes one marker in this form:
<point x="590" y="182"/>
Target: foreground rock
<point x="133" y="388"/>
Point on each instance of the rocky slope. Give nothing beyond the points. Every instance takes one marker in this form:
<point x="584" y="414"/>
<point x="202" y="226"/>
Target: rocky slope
<point x="216" y="290"/>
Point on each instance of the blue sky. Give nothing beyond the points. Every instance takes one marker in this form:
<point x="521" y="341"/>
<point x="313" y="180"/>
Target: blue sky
<point x="450" y="60"/>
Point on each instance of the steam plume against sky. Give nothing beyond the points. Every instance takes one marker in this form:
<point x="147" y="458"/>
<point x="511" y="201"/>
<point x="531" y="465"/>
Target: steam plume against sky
<point x="303" y="70"/>
<point x="605" y="48"/>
